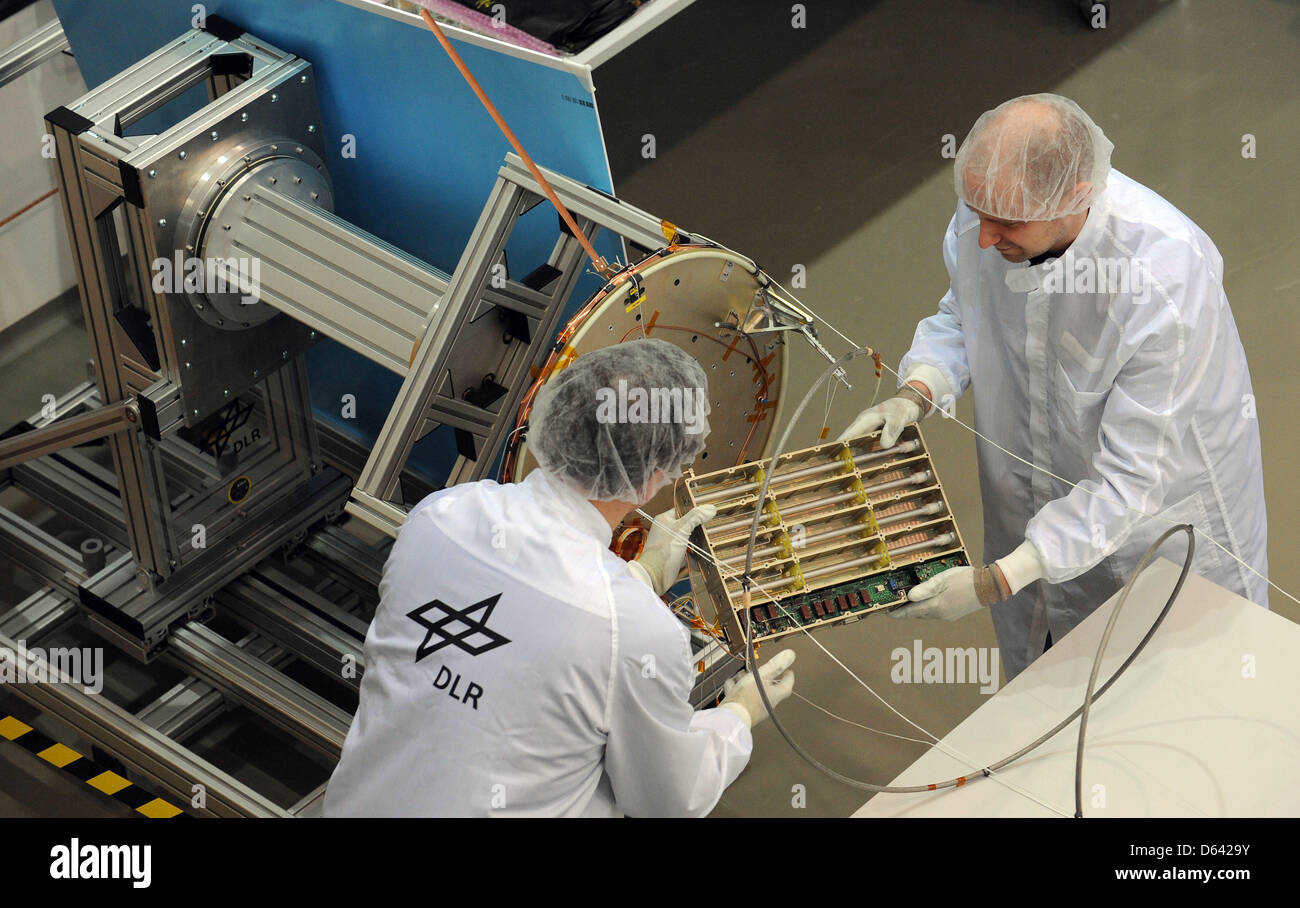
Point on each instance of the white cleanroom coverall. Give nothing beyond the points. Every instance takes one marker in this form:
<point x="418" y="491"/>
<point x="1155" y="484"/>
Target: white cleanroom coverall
<point x="1139" y="393"/>
<point x="515" y="667"/>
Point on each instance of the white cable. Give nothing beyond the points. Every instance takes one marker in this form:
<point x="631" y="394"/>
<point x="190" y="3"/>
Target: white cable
<point x="888" y="734"/>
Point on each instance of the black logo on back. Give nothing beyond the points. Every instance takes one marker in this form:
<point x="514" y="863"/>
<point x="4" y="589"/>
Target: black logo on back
<point x="462" y="628"/>
<point x="213" y="435"/>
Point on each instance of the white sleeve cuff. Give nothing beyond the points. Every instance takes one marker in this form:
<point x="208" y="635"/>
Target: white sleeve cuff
<point x="933" y="379"/>
<point x="640" y="573"/>
<point x="739" y="711"/>
<point x="1022" y="567"/>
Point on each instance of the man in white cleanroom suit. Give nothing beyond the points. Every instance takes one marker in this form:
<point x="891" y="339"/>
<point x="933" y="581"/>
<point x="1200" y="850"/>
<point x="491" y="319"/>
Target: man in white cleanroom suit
<point x="515" y="665"/>
<point x="1089" y="316"/>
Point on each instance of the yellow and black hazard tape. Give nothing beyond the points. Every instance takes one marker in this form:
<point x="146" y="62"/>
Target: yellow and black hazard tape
<point x="102" y="780"/>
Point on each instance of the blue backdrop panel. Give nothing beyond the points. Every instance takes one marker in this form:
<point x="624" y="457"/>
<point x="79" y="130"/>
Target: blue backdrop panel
<point x="426" y="151"/>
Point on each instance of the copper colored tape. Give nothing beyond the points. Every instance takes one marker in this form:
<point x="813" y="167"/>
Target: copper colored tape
<point x="732" y="349"/>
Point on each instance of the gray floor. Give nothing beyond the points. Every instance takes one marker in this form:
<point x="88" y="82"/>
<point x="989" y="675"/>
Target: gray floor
<point x="820" y="147"/>
<point x="823" y="149"/>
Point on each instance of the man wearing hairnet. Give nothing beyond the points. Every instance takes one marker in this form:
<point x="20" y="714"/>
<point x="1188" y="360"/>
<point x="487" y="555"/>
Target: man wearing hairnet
<point x="515" y="665"/>
<point x="1089" y="316"/>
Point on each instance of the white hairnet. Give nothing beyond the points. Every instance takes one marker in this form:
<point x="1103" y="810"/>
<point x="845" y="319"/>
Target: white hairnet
<point x="609" y="421"/>
<point x="1023" y="160"/>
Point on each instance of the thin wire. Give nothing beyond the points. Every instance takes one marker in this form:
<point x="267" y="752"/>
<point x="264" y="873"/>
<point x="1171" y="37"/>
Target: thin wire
<point x="888" y="734"/>
<point x="875" y="393"/>
<point x="502" y="466"/>
<point x="830" y="398"/>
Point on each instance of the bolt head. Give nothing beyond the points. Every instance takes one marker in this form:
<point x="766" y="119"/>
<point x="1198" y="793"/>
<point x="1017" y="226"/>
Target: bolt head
<point x="153" y="174"/>
<point x="162" y="222"/>
<point x="243" y="117"/>
<point x="311" y="128"/>
<point x="274" y="97"/>
<point x="215" y="135"/>
<point x="183" y="155"/>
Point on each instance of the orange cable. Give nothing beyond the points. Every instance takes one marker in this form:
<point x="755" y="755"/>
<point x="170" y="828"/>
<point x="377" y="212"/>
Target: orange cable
<point x="602" y="266"/>
<point x="29" y="207"/>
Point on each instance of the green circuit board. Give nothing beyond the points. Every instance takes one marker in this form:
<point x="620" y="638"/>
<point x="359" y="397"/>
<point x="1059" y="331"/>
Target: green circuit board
<point x="847" y="600"/>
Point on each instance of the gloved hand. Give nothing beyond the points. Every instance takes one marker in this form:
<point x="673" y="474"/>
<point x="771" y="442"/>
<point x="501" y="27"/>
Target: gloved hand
<point x="962" y="590"/>
<point x="954" y="593"/>
<point x="665" y="547"/>
<point x="740" y="694"/>
<point x="894" y="414"/>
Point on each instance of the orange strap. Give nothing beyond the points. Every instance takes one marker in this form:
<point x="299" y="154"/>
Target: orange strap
<point x="602" y="266"/>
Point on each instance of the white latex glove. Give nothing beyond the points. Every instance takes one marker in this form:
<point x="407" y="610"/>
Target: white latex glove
<point x="741" y="692"/>
<point x="949" y="596"/>
<point x="962" y="590"/>
<point x="665" y="547"/>
<point x="894" y="414"/>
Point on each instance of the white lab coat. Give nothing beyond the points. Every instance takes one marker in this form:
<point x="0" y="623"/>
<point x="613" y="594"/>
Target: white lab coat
<point x="1142" y="396"/>
<point x="583" y="712"/>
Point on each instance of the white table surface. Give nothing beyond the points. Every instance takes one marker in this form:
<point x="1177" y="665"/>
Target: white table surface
<point x="1181" y="734"/>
